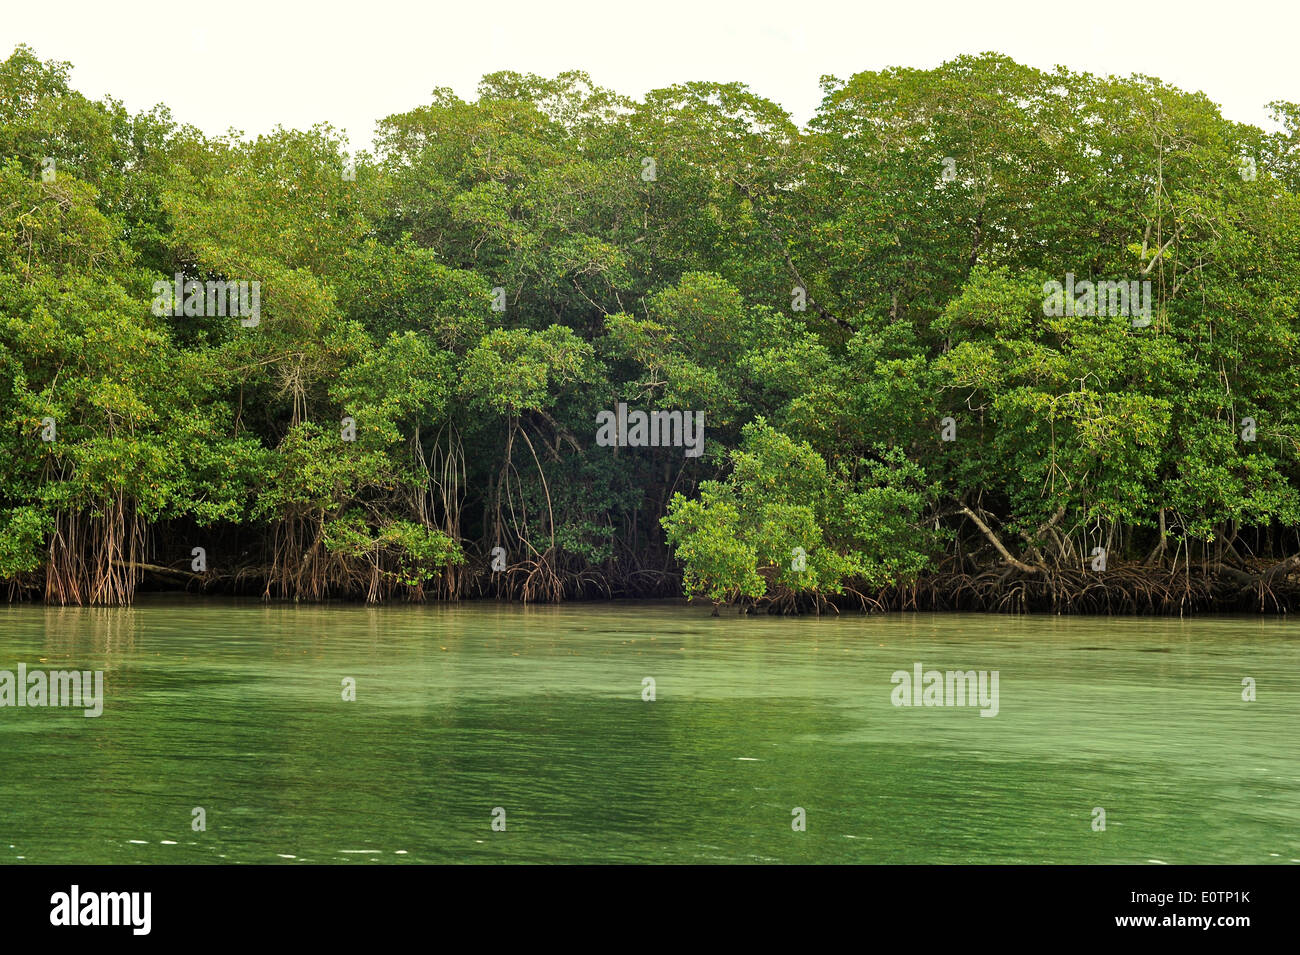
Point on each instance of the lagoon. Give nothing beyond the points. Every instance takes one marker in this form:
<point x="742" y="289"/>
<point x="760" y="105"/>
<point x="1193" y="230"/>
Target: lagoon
<point x="537" y="718"/>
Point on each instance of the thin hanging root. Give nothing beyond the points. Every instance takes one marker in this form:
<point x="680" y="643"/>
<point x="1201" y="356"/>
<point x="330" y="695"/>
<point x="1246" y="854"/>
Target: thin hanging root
<point x="95" y="559"/>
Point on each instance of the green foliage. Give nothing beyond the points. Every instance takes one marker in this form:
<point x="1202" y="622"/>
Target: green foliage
<point x="784" y="522"/>
<point x="825" y="296"/>
<point x="415" y="553"/>
<point x="515" y="370"/>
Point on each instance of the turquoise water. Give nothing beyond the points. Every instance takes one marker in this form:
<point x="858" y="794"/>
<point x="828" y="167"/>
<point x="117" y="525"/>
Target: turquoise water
<point x="237" y="708"/>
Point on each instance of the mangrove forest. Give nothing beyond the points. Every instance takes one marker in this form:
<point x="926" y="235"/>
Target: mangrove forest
<point x="977" y="337"/>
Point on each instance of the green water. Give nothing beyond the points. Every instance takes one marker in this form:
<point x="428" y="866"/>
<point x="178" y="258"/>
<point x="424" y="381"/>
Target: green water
<point x="237" y="708"/>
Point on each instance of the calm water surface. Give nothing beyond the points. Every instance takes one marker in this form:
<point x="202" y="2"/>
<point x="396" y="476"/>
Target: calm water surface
<point x="237" y="708"/>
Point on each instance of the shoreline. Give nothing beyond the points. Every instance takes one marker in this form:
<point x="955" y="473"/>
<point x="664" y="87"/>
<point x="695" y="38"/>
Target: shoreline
<point x="1125" y="591"/>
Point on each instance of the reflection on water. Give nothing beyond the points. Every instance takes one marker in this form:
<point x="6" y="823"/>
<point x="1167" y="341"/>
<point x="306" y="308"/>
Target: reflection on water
<point x="237" y="709"/>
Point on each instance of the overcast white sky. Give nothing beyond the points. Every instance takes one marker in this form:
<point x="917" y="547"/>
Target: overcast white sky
<point x="250" y="64"/>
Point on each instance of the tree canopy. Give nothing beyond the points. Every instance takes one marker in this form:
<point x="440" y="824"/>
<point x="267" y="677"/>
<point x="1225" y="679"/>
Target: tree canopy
<point x="383" y="372"/>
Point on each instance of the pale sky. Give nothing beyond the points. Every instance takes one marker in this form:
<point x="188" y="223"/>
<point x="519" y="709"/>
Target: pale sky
<point x="251" y="65"/>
